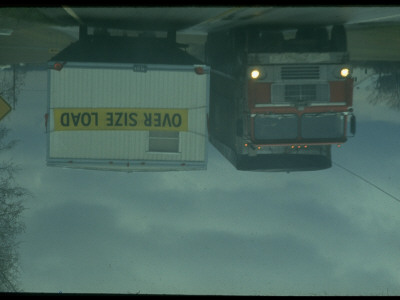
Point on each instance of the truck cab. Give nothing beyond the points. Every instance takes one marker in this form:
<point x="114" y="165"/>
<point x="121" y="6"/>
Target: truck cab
<point x="279" y="99"/>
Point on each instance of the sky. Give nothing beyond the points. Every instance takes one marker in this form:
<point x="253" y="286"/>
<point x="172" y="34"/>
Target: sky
<point x="214" y="232"/>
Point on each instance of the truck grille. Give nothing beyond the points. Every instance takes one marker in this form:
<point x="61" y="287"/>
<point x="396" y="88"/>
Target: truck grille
<point x="299" y="72"/>
<point x="294" y="93"/>
<point x="300" y="92"/>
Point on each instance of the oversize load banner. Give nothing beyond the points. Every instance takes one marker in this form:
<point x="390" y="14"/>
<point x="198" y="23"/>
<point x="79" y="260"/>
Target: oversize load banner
<point x="120" y="119"/>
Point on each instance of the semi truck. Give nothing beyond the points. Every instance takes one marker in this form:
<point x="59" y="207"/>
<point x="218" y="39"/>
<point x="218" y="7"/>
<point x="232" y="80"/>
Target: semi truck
<point x="279" y="98"/>
<point x="127" y="103"/>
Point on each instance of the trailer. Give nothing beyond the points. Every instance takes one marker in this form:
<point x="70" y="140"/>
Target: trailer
<point x="127" y="104"/>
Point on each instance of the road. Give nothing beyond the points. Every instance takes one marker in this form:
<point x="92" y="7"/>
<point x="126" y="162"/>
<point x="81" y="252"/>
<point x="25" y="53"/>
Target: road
<point x="373" y="32"/>
<point x="207" y="18"/>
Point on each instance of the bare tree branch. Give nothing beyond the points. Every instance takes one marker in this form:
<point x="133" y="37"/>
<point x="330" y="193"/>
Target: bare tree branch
<point x="11" y="225"/>
<point x="387" y="85"/>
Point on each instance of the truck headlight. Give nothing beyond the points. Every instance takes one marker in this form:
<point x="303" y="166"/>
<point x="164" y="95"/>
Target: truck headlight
<point x="341" y="72"/>
<point x="257" y="73"/>
<point x="344" y="72"/>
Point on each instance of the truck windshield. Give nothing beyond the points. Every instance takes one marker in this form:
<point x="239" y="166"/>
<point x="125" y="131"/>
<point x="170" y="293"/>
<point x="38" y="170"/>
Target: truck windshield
<point x="284" y="127"/>
<point x="322" y="126"/>
<point x="275" y="127"/>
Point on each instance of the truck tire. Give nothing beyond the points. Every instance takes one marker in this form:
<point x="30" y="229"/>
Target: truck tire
<point x="306" y="40"/>
<point x="338" y="38"/>
<point x="273" y="41"/>
<point x="304" y="34"/>
<point x="313" y="38"/>
<point x="322" y="37"/>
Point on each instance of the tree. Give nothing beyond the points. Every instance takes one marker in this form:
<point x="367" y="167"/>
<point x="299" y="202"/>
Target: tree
<point x="387" y="84"/>
<point x="388" y="89"/>
<point x="11" y="83"/>
<point x="11" y="208"/>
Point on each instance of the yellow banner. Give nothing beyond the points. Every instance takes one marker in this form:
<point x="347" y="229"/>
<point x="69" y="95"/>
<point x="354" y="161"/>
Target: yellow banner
<point x="120" y="119"/>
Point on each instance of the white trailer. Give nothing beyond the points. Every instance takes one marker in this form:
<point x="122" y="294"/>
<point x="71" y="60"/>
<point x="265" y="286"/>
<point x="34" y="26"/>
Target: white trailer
<point x="127" y="116"/>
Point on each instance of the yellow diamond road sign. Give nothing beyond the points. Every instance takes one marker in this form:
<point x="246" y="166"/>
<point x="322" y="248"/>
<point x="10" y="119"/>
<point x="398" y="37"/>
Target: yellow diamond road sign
<point x="5" y="108"/>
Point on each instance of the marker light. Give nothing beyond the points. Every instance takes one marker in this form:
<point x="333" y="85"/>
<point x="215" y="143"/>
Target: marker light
<point x="255" y="74"/>
<point x="58" y="66"/>
<point x="344" y="72"/>
<point x="245" y="145"/>
<point x="199" y="70"/>
<point x="258" y="147"/>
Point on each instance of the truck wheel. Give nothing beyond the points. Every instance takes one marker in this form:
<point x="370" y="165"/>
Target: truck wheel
<point x="304" y="34"/>
<point x="305" y="40"/>
<point x="321" y="35"/>
<point x="273" y="41"/>
<point x="338" y="38"/>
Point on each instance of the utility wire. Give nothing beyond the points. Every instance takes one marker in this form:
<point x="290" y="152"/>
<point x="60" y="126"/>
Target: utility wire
<point x="367" y="181"/>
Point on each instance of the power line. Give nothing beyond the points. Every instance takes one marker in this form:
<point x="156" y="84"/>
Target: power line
<point x="367" y="181"/>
